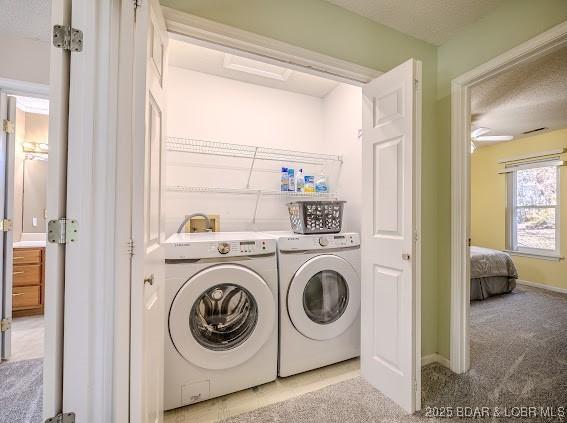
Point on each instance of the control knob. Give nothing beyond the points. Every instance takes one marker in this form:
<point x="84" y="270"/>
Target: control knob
<point x="224" y="247"/>
<point x="323" y="241"/>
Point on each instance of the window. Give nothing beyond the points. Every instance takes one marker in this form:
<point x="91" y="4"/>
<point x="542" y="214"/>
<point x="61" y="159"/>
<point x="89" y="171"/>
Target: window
<point x="533" y="208"/>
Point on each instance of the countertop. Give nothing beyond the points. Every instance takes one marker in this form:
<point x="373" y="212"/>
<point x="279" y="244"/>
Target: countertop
<point x="29" y="244"/>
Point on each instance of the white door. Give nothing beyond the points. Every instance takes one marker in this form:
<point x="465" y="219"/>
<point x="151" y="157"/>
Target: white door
<point x="7" y="144"/>
<point x="390" y="320"/>
<point x="147" y="283"/>
<point x="59" y="72"/>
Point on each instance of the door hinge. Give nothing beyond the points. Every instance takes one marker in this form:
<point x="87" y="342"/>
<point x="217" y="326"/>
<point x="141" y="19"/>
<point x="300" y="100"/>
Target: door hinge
<point x="415" y="236"/>
<point x="8" y="126"/>
<point x="416" y="83"/>
<point x="62" y="231"/>
<point x="415" y="386"/>
<point x="67" y="38"/>
<point x="5" y="225"/>
<point x="131" y="247"/>
<point x="62" y="418"/>
<point x="137" y="4"/>
<point x="5" y="325"/>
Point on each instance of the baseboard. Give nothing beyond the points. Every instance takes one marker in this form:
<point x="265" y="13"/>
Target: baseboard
<point x="542" y="286"/>
<point x="435" y="358"/>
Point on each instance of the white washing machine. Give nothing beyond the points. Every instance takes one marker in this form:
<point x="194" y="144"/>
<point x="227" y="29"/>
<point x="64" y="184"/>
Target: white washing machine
<point x="319" y="277"/>
<point x="221" y="315"/>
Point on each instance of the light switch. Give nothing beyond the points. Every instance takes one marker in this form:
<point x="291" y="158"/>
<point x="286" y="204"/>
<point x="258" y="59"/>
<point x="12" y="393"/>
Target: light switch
<point x="34" y="221"/>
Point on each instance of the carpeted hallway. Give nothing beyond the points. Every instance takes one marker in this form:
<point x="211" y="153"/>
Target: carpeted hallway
<point x="518" y="359"/>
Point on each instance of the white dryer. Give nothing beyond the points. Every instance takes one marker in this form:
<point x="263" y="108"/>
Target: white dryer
<point x="221" y="315"/>
<point x="319" y="277"/>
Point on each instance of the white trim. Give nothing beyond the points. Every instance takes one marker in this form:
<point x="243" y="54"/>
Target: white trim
<point x="538" y="46"/>
<point x="12" y="86"/>
<point x="528" y="156"/>
<point x="532" y="165"/>
<point x="542" y="286"/>
<point x="236" y="41"/>
<point x="541" y="256"/>
<point x="435" y="358"/>
<point x="91" y="268"/>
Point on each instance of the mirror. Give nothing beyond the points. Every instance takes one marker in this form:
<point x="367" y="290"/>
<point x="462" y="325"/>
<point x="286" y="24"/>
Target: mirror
<point x="30" y="167"/>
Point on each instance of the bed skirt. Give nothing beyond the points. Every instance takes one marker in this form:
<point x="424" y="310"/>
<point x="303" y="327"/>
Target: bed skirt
<point x="482" y="288"/>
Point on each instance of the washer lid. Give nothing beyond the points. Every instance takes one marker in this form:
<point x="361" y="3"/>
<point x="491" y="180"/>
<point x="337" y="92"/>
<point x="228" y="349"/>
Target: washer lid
<point x="222" y="316"/>
<point x="323" y="299"/>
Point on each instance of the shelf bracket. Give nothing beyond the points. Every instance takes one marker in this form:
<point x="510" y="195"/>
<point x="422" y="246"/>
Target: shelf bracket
<point x="251" y="167"/>
<point x="258" y="196"/>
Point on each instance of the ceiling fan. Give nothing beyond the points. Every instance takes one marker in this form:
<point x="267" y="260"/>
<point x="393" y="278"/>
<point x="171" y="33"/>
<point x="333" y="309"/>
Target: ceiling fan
<point x="479" y="135"/>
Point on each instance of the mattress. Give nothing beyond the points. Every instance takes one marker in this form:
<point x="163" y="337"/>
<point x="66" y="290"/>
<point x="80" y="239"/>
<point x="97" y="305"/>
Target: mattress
<point x="492" y="273"/>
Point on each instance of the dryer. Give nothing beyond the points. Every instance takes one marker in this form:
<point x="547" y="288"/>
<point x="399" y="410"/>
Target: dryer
<point x="221" y="320"/>
<point x="319" y="278"/>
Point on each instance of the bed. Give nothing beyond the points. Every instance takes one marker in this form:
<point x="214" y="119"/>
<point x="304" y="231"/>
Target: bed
<point x="492" y="273"/>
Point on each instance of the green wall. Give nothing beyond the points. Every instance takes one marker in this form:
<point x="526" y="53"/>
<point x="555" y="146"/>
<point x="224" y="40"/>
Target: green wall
<point x="322" y="27"/>
<point x="511" y="24"/>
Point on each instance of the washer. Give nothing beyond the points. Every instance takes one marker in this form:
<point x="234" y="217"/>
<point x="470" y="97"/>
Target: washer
<point x="221" y="303"/>
<point x="319" y="278"/>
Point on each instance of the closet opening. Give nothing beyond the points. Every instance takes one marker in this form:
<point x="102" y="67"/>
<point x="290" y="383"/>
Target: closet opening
<point x="246" y="138"/>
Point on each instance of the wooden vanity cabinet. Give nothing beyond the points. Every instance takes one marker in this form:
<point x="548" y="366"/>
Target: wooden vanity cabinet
<point x="28" y="281"/>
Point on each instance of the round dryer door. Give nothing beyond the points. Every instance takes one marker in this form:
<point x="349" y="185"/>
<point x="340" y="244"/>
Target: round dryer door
<point x="323" y="299"/>
<point x="222" y="316"/>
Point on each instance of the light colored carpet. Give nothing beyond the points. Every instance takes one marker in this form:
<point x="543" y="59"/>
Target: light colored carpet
<point x="21" y="391"/>
<point x="518" y="358"/>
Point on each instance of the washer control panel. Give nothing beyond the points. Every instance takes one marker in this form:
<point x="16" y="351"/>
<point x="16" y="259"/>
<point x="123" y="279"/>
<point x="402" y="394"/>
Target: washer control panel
<point x="184" y="249"/>
<point x="318" y="242"/>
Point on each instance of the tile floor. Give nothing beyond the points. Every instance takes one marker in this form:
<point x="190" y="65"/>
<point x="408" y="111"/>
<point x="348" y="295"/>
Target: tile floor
<point x="250" y="399"/>
<point x="27" y="338"/>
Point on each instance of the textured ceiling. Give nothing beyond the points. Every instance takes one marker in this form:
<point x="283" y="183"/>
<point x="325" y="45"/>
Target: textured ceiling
<point x="529" y="96"/>
<point x="25" y="19"/>
<point x="201" y="59"/>
<point x="434" y="21"/>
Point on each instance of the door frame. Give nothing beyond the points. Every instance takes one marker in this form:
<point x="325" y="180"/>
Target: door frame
<point x="212" y="34"/>
<point x="95" y="385"/>
<point x="530" y="50"/>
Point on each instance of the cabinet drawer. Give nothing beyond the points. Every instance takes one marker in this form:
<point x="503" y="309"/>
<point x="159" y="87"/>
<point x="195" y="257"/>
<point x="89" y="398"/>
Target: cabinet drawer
<point x="27" y="255"/>
<point x="29" y="274"/>
<point x="26" y="297"/>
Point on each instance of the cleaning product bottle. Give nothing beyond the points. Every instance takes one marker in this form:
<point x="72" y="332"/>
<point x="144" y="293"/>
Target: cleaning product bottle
<point x="299" y="181"/>
<point x="284" y="180"/>
<point x="309" y="184"/>
<point x="321" y="183"/>
<point x="291" y="179"/>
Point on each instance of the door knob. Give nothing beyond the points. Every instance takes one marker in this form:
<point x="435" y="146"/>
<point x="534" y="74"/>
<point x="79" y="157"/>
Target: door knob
<point x="406" y="257"/>
<point x="149" y="280"/>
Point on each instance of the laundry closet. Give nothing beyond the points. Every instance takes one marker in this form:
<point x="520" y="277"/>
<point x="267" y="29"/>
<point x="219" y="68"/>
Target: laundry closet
<point x="233" y="123"/>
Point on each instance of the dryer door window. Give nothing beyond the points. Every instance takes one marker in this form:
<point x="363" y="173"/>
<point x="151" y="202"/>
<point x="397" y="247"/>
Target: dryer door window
<point x="325" y="297"/>
<point x="223" y="317"/>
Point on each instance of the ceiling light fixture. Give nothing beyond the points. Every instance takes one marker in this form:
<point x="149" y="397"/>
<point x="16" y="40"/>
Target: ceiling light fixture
<point x="254" y="67"/>
<point x="479" y="131"/>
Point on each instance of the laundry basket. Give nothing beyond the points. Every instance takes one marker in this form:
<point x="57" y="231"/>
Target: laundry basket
<point x="316" y="217"/>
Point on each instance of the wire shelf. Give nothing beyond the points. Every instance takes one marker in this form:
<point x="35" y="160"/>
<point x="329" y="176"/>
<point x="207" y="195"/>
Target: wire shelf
<point x="190" y="145"/>
<point x="250" y="191"/>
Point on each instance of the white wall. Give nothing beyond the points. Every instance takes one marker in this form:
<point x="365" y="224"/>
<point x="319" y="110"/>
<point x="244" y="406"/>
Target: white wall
<point x="342" y="119"/>
<point x="24" y="60"/>
<point x="213" y="108"/>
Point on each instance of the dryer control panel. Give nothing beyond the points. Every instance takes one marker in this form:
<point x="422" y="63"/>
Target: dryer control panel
<point x="318" y="242"/>
<point x="183" y="248"/>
